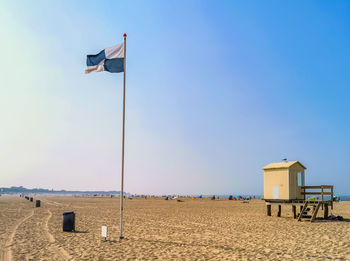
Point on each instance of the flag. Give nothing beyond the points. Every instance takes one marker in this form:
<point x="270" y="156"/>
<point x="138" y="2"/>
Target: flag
<point x="110" y="59"/>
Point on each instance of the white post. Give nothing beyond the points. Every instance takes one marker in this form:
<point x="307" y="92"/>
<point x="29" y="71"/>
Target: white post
<point x="123" y="137"/>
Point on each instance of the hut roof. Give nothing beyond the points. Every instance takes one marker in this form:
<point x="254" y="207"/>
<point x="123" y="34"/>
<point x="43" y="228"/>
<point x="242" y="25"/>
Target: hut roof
<point x="282" y="165"/>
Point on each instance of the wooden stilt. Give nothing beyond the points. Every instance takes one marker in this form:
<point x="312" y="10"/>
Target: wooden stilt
<point x="268" y="209"/>
<point x="279" y="210"/>
<point x="294" y="209"/>
<point x="325" y="211"/>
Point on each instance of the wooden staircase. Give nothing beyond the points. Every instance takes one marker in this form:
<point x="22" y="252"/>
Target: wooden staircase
<point x="304" y="213"/>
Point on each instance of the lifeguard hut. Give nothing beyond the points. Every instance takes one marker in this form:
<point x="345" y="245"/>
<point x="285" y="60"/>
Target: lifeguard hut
<point x="284" y="180"/>
<point x="284" y="183"/>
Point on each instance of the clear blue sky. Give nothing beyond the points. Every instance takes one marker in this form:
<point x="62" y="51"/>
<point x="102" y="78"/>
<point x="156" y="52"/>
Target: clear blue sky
<point x="215" y="91"/>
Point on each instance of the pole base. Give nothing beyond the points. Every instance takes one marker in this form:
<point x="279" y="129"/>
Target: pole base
<point x="121" y="237"/>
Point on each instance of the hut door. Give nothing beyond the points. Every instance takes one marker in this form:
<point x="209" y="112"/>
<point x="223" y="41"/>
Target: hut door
<point x="276" y="192"/>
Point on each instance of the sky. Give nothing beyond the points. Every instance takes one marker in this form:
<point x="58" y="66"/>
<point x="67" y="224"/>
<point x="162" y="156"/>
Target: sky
<point x="215" y="90"/>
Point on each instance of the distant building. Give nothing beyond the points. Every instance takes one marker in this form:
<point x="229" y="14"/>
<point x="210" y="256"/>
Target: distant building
<point x="283" y="180"/>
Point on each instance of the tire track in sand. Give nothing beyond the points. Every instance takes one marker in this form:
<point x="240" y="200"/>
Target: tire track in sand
<point x="54" y="247"/>
<point x="51" y="202"/>
<point x="6" y="253"/>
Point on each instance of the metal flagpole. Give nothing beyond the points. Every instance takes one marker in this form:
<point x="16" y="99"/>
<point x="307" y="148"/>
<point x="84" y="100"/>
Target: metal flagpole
<point x="123" y="137"/>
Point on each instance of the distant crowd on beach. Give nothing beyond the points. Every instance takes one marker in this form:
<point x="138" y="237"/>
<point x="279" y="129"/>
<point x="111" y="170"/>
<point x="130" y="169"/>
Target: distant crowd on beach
<point x="170" y="197"/>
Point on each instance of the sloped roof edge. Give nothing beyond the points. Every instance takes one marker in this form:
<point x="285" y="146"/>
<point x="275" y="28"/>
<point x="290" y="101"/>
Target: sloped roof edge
<point x="282" y="165"/>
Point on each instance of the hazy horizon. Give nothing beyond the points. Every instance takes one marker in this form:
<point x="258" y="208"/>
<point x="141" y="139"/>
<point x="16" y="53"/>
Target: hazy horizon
<point x="215" y="91"/>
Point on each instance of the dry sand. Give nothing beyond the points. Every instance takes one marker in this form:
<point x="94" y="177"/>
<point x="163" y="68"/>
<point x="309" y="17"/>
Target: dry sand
<point x="166" y="230"/>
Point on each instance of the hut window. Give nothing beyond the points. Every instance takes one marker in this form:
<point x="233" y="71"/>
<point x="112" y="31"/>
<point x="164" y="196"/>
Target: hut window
<point x="300" y="179"/>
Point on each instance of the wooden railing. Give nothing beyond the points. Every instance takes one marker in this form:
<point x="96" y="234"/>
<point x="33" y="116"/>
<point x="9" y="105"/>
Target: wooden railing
<point x="323" y="191"/>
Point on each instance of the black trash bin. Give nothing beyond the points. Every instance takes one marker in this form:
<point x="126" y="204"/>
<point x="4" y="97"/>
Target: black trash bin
<point x="37" y="203"/>
<point x="68" y="221"/>
<point x="31" y="199"/>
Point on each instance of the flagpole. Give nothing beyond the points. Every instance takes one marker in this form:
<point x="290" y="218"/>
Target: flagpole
<point x="123" y="138"/>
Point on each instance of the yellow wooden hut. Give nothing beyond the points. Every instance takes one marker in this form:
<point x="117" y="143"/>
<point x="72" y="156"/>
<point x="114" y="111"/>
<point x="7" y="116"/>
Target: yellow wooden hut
<point x="283" y="180"/>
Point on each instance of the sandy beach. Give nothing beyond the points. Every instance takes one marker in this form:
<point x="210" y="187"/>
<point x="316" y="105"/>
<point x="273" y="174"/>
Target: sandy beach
<point x="199" y="229"/>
